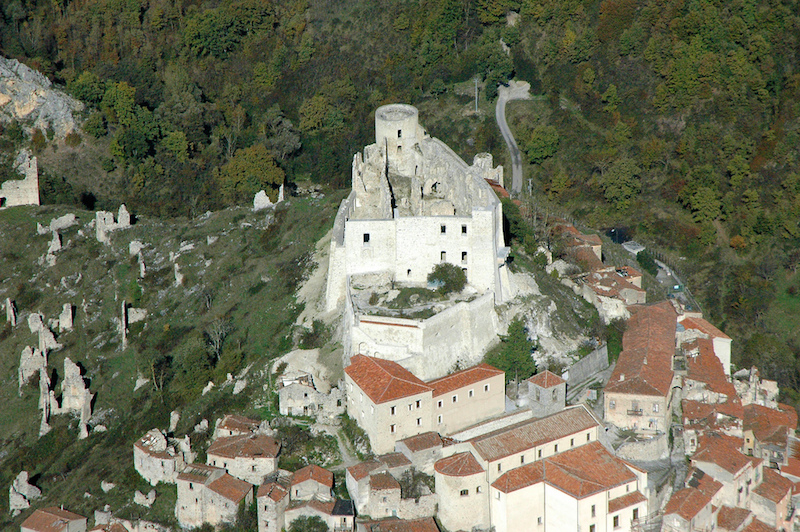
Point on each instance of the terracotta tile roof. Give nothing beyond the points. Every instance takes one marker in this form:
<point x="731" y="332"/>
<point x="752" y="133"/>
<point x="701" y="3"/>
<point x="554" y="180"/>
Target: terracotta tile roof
<point x="758" y="526"/>
<point x="362" y="470"/>
<point x="687" y="503"/>
<point x="625" y="501"/>
<point x="463" y="378"/>
<point x="422" y="442"/>
<point x="773" y="486"/>
<point x="792" y="467"/>
<point x="610" y="284"/>
<point x="245" y="446"/>
<point x="393" y="524"/>
<point x="580" y="472"/>
<point x="546" y="379"/>
<point x="498" y="190"/>
<point x="705" y="367"/>
<point x="721" y="450"/>
<point x="769" y="425"/>
<point x="51" y="519"/>
<point x="458" y="465"/>
<point x="730" y="518"/>
<point x="322" y="507"/>
<point x="528" y="434"/>
<point x="702" y="325"/>
<point x="273" y="490"/>
<point x="383" y="481"/>
<point x="315" y="473"/>
<point x="697" y="479"/>
<point x="384" y="380"/>
<point x="587" y="256"/>
<point x="644" y="366"/>
<point x="394" y="460"/>
<point x="712" y="413"/>
<point x="231" y="488"/>
<point x="238" y="424"/>
<point x="198" y="472"/>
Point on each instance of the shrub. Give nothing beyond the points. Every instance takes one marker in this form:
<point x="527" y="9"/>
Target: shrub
<point x="73" y="139"/>
<point x="647" y="262"/>
<point x="513" y="355"/>
<point x="449" y="278"/>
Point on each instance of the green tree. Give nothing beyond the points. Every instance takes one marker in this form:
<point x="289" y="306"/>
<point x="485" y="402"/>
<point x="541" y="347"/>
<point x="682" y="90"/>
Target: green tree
<point x="620" y="183"/>
<point x="449" y="277"/>
<point x="542" y="143"/>
<point x="250" y="170"/>
<point x="514" y="354"/>
<point x="308" y="524"/>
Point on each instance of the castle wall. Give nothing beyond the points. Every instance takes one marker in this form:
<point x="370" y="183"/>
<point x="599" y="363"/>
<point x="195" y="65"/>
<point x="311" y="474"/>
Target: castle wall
<point x="23" y="191"/>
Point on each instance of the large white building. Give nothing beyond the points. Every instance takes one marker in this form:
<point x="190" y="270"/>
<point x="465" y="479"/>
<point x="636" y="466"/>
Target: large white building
<point x="415" y="204"/>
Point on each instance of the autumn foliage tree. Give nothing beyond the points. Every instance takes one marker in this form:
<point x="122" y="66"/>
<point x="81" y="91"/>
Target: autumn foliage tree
<point x="250" y="170"/>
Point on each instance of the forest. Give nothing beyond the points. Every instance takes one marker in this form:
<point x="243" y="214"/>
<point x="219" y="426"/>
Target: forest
<point x="675" y="120"/>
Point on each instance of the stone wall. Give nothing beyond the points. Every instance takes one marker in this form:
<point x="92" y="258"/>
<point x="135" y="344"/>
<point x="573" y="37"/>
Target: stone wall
<point x="588" y="366"/>
<point x="24" y="191"/>
<point x="651" y="449"/>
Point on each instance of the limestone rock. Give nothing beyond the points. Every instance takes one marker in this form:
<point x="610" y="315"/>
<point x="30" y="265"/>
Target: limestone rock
<point x="239" y="386"/>
<point x="174" y="417"/>
<point x="104" y="223"/>
<point x="63" y="222"/>
<point x="20" y="494"/>
<point x="100" y="428"/>
<point x="140" y="381"/>
<point x="208" y="387"/>
<point x="136" y="315"/>
<point x="202" y="426"/>
<point x="30" y="362"/>
<point x="144" y="500"/>
<point x="280" y="193"/>
<point x="65" y="319"/>
<point x="30" y="98"/>
<point x="44" y="401"/>
<point x="261" y="201"/>
<point x="178" y="276"/>
<point x="135" y="247"/>
<point x="11" y="312"/>
<point x="211" y="239"/>
<point x="75" y="397"/>
<point x="107" y="486"/>
<point x="47" y="341"/>
<point x="55" y="243"/>
<point x="41" y="230"/>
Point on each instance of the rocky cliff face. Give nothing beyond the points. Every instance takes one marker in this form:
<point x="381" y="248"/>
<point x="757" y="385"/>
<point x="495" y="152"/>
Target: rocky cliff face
<point x="29" y="97"/>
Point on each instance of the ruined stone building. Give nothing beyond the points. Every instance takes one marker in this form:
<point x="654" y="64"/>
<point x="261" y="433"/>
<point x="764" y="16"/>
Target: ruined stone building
<point x="207" y="494"/>
<point x="24" y="191"/>
<point x="249" y="457"/>
<point x="415" y="204"/>
<point x="156" y="459"/>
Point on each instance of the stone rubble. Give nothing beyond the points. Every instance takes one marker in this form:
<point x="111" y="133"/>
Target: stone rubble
<point x="31" y="362"/>
<point x="144" y="500"/>
<point x="21" y="493"/>
<point x="63" y="222"/>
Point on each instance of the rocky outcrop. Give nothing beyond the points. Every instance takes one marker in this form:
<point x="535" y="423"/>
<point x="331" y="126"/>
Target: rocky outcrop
<point x="29" y="97"/>
<point x="261" y="201"/>
<point x="11" y="312"/>
<point x="105" y="223"/>
<point x="75" y="397"/>
<point x="21" y="493"/>
<point x="30" y="362"/>
<point x="47" y="341"/>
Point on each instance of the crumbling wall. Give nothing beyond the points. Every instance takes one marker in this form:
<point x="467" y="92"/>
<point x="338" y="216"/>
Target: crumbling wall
<point x="588" y="366"/>
<point x="23" y="191"/>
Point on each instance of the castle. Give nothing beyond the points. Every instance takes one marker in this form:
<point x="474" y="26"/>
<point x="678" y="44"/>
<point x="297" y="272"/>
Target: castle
<point x="414" y="204"/>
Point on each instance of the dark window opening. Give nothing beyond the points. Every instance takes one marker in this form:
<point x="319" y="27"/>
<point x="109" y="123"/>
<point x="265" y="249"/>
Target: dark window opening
<point x="366" y="238"/>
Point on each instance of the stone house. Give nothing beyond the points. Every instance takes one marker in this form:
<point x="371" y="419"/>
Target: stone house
<point x="719" y="456"/>
<point x="425" y="524"/>
<point x="462" y="487"/>
<point x="312" y="482"/>
<point x="156" y="460"/>
<point x="772" y="500"/>
<point x="767" y="433"/>
<point x="339" y="515"/>
<point x="248" y="457"/>
<point x="357" y="477"/>
<point x="585" y="488"/>
<point x="731" y="519"/>
<point x="53" y="519"/>
<point x="235" y="425"/>
<point x="688" y="510"/>
<point x="465" y="397"/>
<point x="298" y="396"/>
<point x="422" y="450"/>
<point x="272" y="500"/>
<point x="387" y="401"/>
<point x="207" y="494"/>
<point x="638" y="395"/>
<point x="703" y="418"/>
<point x="547" y="393"/>
<point x="386" y="499"/>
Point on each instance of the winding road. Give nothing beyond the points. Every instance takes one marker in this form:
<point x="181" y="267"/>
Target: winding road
<point x="516" y="90"/>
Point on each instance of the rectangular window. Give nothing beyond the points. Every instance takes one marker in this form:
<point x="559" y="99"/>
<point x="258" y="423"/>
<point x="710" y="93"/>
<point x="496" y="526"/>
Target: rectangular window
<point x="399" y="133"/>
<point x="588" y="436"/>
<point x="455" y="398"/>
<point x="592" y="528"/>
<point x="366" y="238"/>
<point x="439" y="420"/>
<point x="635" y="513"/>
<point x="443" y="256"/>
<point x="463" y="229"/>
<point x="555" y="448"/>
<point x="572" y="442"/>
<point x="419" y="421"/>
<point x="410" y="406"/>
<point x="443" y="229"/>
<point x="463" y="256"/>
<point x="655" y="407"/>
<point x="499" y="467"/>
<point x="392" y="410"/>
<point x="594" y="511"/>
<point x="522" y="459"/>
<point x="555" y="394"/>
<point x="497" y="495"/>
<point x="540" y="453"/>
<point x="471" y="393"/>
<point x="616" y="521"/>
<point x="439" y="404"/>
<point x="478" y="489"/>
<point x="485" y="387"/>
<point x="539" y="520"/>
<point x="464" y="493"/>
<point x="419" y="403"/>
<point x="612" y="404"/>
<point x="392" y="428"/>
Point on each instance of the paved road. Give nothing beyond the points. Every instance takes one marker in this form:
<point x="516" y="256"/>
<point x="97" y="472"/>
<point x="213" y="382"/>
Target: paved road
<point x="517" y="90"/>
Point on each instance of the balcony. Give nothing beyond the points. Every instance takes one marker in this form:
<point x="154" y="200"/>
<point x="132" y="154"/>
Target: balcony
<point x="637" y="412"/>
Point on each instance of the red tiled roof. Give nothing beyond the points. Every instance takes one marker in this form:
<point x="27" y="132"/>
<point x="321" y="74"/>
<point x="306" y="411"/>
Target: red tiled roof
<point x="393" y="460"/>
<point x="586" y="255"/>
<point x="546" y="379"/>
<point x="530" y="433"/>
<point x="463" y="378"/>
<point x="458" y="465"/>
<point x="732" y="518"/>
<point x="231" y="488"/>
<point x="245" y="446"/>
<point x="758" y="526"/>
<point x="769" y="425"/>
<point x="313" y="504"/>
<point x="198" y="472"/>
<point x="51" y="519"/>
<point x="500" y="191"/>
<point x="383" y="481"/>
<point x="774" y="487"/>
<point x="422" y="442"/>
<point x="237" y="423"/>
<point x="721" y="450"/>
<point x="695" y="412"/>
<point x="706" y="367"/>
<point x="273" y="490"/>
<point x="361" y="470"/>
<point x="704" y="326"/>
<point x="626" y="501"/>
<point x="315" y="473"/>
<point x="687" y="503"/>
<point x="644" y="366"/>
<point x="580" y="472"/>
<point x="384" y="380"/>
<point x="393" y="524"/>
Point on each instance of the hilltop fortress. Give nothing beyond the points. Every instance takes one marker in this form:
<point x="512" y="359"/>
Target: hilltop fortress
<point x="414" y="204"/>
